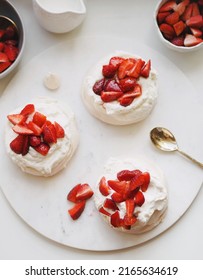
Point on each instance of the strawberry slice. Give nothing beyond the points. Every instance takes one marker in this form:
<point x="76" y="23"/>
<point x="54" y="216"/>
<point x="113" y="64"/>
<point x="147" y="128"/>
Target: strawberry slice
<point x="127" y="84"/>
<point x="112" y="85"/>
<point x="196" y="32"/>
<point x="117" y="197"/>
<point x="136" y="69"/>
<point x="73" y="192"/>
<point x="109" y="70"/>
<point x="26" y="145"/>
<point x="39" y="119"/>
<point x="116" y="61"/>
<point x="98" y="86"/>
<point x="60" y="132"/>
<point x="129" y="221"/>
<point x="167" y="31"/>
<point x="139" y="199"/>
<point x="180" y="8"/>
<point x="103" y="187"/>
<point x="145" y="185"/>
<point x="161" y="16"/>
<point x="109" y="96"/>
<point x="84" y="192"/>
<point x="179" y="27"/>
<point x="137" y="181"/>
<point x="49" y="134"/>
<point x="146" y="69"/>
<point x="187" y="13"/>
<point x="16" y="118"/>
<point x="127" y="98"/>
<point x="168" y="6"/>
<point x="110" y="204"/>
<point x="21" y="129"/>
<point x="178" y="41"/>
<point x="124" y="68"/>
<point x="42" y="148"/>
<point x="17" y="144"/>
<point x="3" y="57"/>
<point x="104" y="212"/>
<point x="115" y="219"/>
<point x="172" y="18"/>
<point x="129" y="218"/>
<point x="127" y="175"/>
<point x="191" y="40"/>
<point x="4" y="66"/>
<point x="35" y="128"/>
<point x="76" y="211"/>
<point x="118" y="186"/>
<point x="195" y="21"/>
<point x="11" y="52"/>
<point x="27" y="110"/>
<point x="1" y="46"/>
<point x="34" y="140"/>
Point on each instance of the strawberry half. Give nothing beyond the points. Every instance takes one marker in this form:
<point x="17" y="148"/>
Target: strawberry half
<point x="139" y="199"/>
<point x="73" y="192"/>
<point x="127" y="175"/>
<point x="76" y="211"/>
<point x="110" y="204"/>
<point x="103" y="187"/>
<point x="34" y="140"/>
<point x="49" y="134"/>
<point x="16" y="118"/>
<point x="84" y="192"/>
<point x="22" y="129"/>
<point x="115" y="219"/>
<point x="109" y="96"/>
<point x="28" y="110"/>
<point x="42" y="148"/>
<point x="104" y="212"/>
<point x="17" y="144"/>
<point x="60" y="133"/>
<point x="39" y="119"/>
<point x="109" y="70"/>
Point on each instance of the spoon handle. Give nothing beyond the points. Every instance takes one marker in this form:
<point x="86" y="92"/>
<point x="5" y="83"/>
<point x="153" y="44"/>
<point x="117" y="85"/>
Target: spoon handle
<point x="192" y="159"/>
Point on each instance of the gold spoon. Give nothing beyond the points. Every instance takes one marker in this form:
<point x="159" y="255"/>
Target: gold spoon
<point x="6" y="22"/>
<point x="164" y="140"/>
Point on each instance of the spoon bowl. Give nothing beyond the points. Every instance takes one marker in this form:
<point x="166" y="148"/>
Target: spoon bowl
<point x="164" y="140"/>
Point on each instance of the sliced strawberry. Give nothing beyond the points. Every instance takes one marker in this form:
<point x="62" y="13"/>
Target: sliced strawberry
<point x="130" y="207"/>
<point x="109" y="71"/>
<point x="17" y="144"/>
<point x="168" y="6"/>
<point x="127" y="98"/>
<point x="187" y="13"/>
<point x="124" y="68"/>
<point x="195" y="9"/>
<point x="112" y="85"/>
<point x="34" y="140"/>
<point x="196" y="32"/>
<point x="195" y="21"/>
<point x="43" y="148"/>
<point x="109" y="96"/>
<point x="191" y="40"/>
<point x="11" y="52"/>
<point x="118" y="186"/>
<point x="136" y="69"/>
<point x="145" y="185"/>
<point x="161" y="16"/>
<point x="129" y="221"/>
<point x="4" y="66"/>
<point x="27" y="110"/>
<point x="117" y="197"/>
<point x="127" y="84"/>
<point x="146" y="69"/>
<point x="172" y="18"/>
<point x="39" y="119"/>
<point x="139" y="199"/>
<point x="110" y="204"/>
<point x="98" y="86"/>
<point x="84" y="192"/>
<point x="76" y="211"/>
<point x="178" y="41"/>
<point x="1" y="46"/>
<point x="49" y="134"/>
<point x="137" y="181"/>
<point x="35" y="128"/>
<point x="60" y="132"/>
<point x="103" y="187"/>
<point x="26" y="145"/>
<point x="16" y="118"/>
<point x="3" y="57"/>
<point x="179" y="27"/>
<point x="180" y="8"/>
<point x="116" y="61"/>
<point x="21" y="129"/>
<point x="73" y="192"/>
<point x="127" y="175"/>
<point x="104" y="212"/>
<point x="115" y="219"/>
<point x="167" y="31"/>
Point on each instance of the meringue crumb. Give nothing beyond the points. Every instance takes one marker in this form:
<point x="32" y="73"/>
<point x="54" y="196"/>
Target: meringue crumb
<point x="52" y="81"/>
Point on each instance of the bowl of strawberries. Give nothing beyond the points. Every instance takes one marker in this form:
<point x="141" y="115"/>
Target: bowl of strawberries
<point x="180" y="24"/>
<point x="11" y="38"/>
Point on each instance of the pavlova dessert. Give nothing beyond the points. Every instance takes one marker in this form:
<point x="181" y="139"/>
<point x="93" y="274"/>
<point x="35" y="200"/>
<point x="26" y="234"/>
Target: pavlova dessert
<point x="41" y="137"/>
<point x="131" y="195"/>
<point x="120" y="89"/>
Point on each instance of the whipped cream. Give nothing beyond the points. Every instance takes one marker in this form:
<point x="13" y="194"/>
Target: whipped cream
<point x="152" y="212"/>
<point x="113" y="112"/>
<point x="59" y="153"/>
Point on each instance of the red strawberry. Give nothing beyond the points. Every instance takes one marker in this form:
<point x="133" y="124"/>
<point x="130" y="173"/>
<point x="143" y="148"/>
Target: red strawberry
<point x="4" y="66"/>
<point x="103" y="187"/>
<point x="109" y="96"/>
<point x="187" y="13"/>
<point x="117" y="197"/>
<point x="16" y="118"/>
<point x="60" y="133"/>
<point x="76" y="211"/>
<point x="21" y="129"/>
<point x="129" y="221"/>
<point x="116" y="61"/>
<point x="34" y="140"/>
<point x="161" y="16"/>
<point x="139" y="199"/>
<point x="180" y="8"/>
<point x="39" y="119"/>
<point x="196" y="32"/>
<point x="11" y="52"/>
<point x="109" y="71"/>
<point x="145" y="185"/>
<point x="126" y="100"/>
<point x="195" y="9"/>
<point x="1" y="46"/>
<point x="137" y="181"/>
<point x="136" y="69"/>
<point x="127" y="84"/>
<point x="167" y="31"/>
<point x="84" y="192"/>
<point x="178" y="41"/>
<point x="127" y="175"/>
<point x="115" y="219"/>
<point x="43" y="148"/>
<point x="3" y="57"/>
<point x="124" y="67"/>
<point x="179" y="27"/>
<point x="129" y="218"/>
<point x="17" y="144"/>
<point x="104" y="212"/>
<point x="146" y="69"/>
<point x="27" y="110"/>
<point x="191" y="40"/>
<point x="35" y="128"/>
<point x="118" y="186"/>
<point x="73" y="192"/>
<point x="112" y="85"/>
<point x="110" y="204"/>
<point x="49" y="134"/>
<point x="25" y="145"/>
<point x="98" y="86"/>
<point x="168" y="6"/>
<point x="172" y="18"/>
<point x="195" y="21"/>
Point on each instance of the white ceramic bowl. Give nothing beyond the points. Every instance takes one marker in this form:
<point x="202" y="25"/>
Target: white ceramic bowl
<point x="59" y="16"/>
<point x="168" y="43"/>
<point x="8" y="11"/>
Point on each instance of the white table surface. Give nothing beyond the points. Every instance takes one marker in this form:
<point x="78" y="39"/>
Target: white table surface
<point x="121" y="18"/>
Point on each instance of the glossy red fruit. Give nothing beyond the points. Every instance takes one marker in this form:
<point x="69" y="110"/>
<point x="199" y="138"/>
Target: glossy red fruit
<point x="17" y="144"/>
<point x="137" y="181"/>
<point x="116" y="61"/>
<point x="35" y="128"/>
<point x="125" y="67"/>
<point x="104" y="212"/>
<point x="168" y="6"/>
<point x="49" y="134"/>
<point x="16" y="118"/>
<point x="139" y="199"/>
<point x="103" y="187"/>
<point x="109" y="96"/>
<point x="127" y="175"/>
<point x="110" y="204"/>
<point x="112" y="85"/>
<point x="118" y="186"/>
<point x="98" y="86"/>
<point x="4" y="66"/>
<point x="145" y="71"/>
<point x="145" y="185"/>
<point x="76" y="211"/>
<point x="115" y="219"/>
<point x="84" y="192"/>
<point x="136" y="69"/>
<point x="109" y="71"/>
<point x="117" y="197"/>
<point x="34" y="140"/>
<point x="11" y="52"/>
<point x="39" y="119"/>
<point x="22" y="129"/>
<point x="43" y="148"/>
<point x="127" y="84"/>
<point x="28" y="109"/>
<point x="60" y="132"/>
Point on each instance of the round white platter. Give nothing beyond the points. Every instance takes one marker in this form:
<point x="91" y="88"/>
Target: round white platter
<point x="41" y="202"/>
